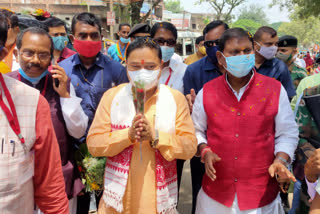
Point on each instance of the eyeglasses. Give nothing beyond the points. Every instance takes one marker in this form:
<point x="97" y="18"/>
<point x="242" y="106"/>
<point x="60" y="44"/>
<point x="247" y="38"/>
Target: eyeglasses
<point x="140" y="37"/>
<point x="211" y="43"/>
<point x="169" y="42"/>
<point x="30" y="54"/>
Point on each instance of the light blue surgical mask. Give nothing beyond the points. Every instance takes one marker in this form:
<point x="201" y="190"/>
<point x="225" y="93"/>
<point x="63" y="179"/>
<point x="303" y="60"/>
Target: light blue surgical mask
<point x="125" y="41"/>
<point x="33" y="80"/>
<point x="240" y="66"/>
<point x="59" y="42"/>
<point x="167" y="53"/>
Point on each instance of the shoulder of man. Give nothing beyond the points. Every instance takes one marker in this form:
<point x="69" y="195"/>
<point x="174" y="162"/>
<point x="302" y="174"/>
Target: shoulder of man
<point x="298" y="67"/>
<point x="196" y="66"/>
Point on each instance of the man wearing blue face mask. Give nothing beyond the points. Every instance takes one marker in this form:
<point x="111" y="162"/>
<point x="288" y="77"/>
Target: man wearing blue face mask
<point x="118" y="51"/>
<point x="57" y="30"/>
<point x="196" y="75"/>
<point x="246" y="134"/>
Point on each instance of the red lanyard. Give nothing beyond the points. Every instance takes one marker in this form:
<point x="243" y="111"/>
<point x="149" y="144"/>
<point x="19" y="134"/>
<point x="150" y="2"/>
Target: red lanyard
<point x="43" y="92"/>
<point x="169" y="77"/>
<point x="11" y="115"/>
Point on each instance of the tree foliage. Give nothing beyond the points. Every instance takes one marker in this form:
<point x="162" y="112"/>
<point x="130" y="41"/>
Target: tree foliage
<point x="255" y="13"/>
<point x="247" y="24"/>
<point x="276" y="25"/>
<point x="173" y="6"/>
<point x="307" y="8"/>
<point x="223" y="8"/>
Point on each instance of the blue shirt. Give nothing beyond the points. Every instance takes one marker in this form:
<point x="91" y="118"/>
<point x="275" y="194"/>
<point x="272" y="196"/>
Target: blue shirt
<point x="101" y="76"/>
<point x="277" y="69"/>
<point x="199" y="73"/>
<point x="113" y="53"/>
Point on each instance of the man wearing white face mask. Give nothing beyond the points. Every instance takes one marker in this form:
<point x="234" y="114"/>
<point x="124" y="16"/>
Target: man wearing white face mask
<point x="118" y="51"/>
<point x="165" y="34"/>
<point x="265" y="45"/>
<point x="246" y="134"/>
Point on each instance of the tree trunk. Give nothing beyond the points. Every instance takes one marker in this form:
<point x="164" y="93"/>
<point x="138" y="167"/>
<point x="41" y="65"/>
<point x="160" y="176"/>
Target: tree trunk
<point x="135" y="11"/>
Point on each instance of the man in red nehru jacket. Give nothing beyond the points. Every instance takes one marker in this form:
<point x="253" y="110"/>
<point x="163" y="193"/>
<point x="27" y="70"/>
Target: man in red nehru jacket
<point x="246" y="134"/>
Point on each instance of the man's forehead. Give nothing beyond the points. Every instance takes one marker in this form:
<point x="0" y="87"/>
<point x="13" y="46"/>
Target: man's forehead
<point x="215" y="33"/>
<point x="57" y="28"/>
<point x="35" y="40"/>
<point x="81" y="27"/>
<point x="267" y="37"/>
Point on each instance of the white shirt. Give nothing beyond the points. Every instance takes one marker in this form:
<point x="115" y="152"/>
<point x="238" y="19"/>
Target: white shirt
<point x="75" y="118"/>
<point x="176" y="79"/>
<point x="286" y="129"/>
<point x="313" y="188"/>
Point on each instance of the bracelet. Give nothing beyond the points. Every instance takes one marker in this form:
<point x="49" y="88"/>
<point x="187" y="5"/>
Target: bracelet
<point x="204" y="151"/>
<point x="283" y="160"/>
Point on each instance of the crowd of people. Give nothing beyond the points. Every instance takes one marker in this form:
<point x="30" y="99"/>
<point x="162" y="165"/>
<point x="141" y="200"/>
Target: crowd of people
<point x="244" y="109"/>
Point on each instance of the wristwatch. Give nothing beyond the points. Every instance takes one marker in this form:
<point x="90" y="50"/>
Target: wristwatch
<point x="155" y="142"/>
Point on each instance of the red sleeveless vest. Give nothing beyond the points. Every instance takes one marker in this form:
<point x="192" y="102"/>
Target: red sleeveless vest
<point x="242" y="134"/>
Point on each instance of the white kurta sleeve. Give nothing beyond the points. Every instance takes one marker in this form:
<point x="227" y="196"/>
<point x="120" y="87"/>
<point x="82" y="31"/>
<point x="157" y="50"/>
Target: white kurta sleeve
<point x="73" y="114"/>
<point x="199" y="118"/>
<point x="286" y="133"/>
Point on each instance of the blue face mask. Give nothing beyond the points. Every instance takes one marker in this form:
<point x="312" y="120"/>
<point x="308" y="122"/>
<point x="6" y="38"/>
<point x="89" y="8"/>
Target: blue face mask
<point x="240" y="66"/>
<point x="33" y="80"/>
<point x="125" y="41"/>
<point x="211" y="52"/>
<point x="59" y="42"/>
<point x="167" y="53"/>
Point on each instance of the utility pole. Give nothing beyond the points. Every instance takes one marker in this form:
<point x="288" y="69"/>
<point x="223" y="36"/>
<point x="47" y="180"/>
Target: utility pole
<point x="111" y="26"/>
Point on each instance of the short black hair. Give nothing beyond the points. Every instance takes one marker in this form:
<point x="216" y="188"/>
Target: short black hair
<point x="34" y="30"/>
<point x="86" y="18"/>
<point x="264" y="29"/>
<point x="3" y="29"/>
<point x="233" y="33"/>
<point x="140" y="43"/>
<point x="11" y="16"/>
<point x="213" y="25"/>
<point x="124" y="24"/>
<point x="199" y="39"/>
<point x="166" y="25"/>
<point x="54" y="22"/>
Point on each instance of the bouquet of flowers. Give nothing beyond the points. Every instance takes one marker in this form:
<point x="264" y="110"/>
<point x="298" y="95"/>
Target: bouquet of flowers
<point x="91" y="169"/>
<point x="139" y="95"/>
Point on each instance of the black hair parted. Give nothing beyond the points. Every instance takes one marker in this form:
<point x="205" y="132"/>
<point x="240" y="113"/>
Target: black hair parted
<point x="86" y="18"/>
<point x="199" y="39"/>
<point x="264" y="29"/>
<point x="213" y="25"/>
<point x="3" y="29"/>
<point x="233" y="33"/>
<point x="124" y="24"/>
<point x="34" y="30"/>
<point x="54" y="22"/>
<point x="140" y="43"/>
<point x="11" y="16"/>
<point x="166" y="25"/>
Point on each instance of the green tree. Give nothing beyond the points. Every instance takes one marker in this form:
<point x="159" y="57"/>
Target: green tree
<point x="307" y="8"/>
<point x="173" y="6"/>
<point x="247" y="24"/>
<point x="223" y="8"/>
<point x="276" y="25"/>
<point x="255" y="13"/>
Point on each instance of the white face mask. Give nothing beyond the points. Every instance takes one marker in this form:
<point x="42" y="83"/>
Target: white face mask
<point x="148" y="77"/>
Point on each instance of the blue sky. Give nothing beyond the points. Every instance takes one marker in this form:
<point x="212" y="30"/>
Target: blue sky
<point x="274" y="14"/>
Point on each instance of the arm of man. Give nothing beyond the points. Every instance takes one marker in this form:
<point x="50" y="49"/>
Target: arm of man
<point x="75" y="118"/>
<point x="287" y="82"/>
<point x="49" y="186"/>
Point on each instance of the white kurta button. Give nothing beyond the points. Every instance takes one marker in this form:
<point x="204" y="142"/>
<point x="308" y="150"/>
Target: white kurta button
<point x="235" y="180"/>
<point x="236" y="158"/>
<point x="238" y="113"/>
<point x="237" y="135"/>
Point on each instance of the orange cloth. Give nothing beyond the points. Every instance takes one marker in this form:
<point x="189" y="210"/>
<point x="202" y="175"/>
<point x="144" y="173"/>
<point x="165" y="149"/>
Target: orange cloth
<point x="192" y="58"/>
<point x="140" y="195"/>
<point x="9" y="58"/>
<point x="49" y="186"/>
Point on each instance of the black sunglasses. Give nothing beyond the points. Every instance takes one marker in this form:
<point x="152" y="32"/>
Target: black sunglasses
<point x="169" y="42"/>
<point x="211" y="43"/>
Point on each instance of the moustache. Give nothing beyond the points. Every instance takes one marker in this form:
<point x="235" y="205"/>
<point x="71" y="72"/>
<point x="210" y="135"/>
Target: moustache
<point x="32" y="65"/>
